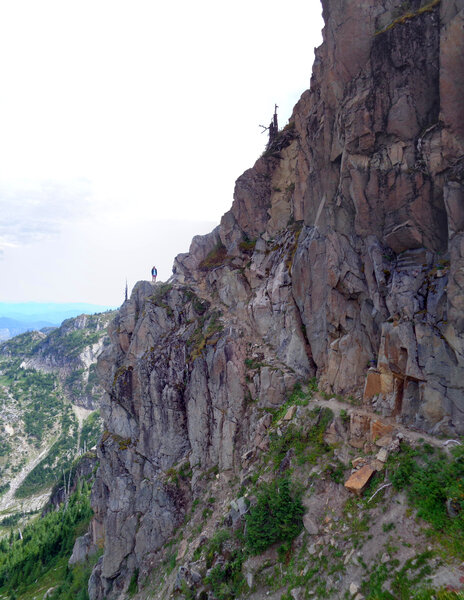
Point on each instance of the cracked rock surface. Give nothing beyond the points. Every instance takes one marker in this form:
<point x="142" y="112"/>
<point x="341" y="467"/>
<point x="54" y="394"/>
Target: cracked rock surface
<point x="341" y="258"/>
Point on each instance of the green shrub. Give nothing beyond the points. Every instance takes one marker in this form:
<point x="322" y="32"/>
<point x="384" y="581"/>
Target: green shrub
<point x="133" y="585"/>
<point x="344" y="416"/>
<point x="431" y="479"/>
<point x="277" y="516"/>
<point x="226" y="580"/>
<point x="215" y="545"/>
<point x="247" y="246"/>
<point x="216" y="258"/>
<point x="308" y="445"/>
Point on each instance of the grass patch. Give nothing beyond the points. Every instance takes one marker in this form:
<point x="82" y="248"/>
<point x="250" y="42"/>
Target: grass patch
<point x="308" y="444"/>
<point x="209" y="326"/>
<point x="217" y="257"/>
<point x="247" y="246"/>
<point x="434" y="484"/>
<point x="407" y="583"/>
<point x="298" y="396"/>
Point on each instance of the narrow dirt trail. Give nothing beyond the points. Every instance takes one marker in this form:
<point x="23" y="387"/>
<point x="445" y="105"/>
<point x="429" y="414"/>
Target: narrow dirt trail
<point x="409" y="434"/>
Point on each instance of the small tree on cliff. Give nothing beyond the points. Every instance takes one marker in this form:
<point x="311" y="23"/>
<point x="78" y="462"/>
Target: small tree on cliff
<point x="273" y="128"/>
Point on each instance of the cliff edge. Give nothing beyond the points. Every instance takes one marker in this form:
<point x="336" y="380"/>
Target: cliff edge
<point x="341" y="259"/>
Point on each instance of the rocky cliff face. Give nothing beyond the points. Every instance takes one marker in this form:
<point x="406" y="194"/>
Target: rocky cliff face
<point x="341" y="258"/>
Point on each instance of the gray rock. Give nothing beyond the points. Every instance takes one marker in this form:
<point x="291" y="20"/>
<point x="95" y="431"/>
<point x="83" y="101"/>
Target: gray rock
<point x="310" y="525"/>
<point x="373" y="191"/>
<point x="83" y="548"/>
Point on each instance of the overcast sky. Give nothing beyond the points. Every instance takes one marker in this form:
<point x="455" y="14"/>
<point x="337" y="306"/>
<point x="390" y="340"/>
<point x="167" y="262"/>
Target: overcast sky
<point x="124" y="125"/>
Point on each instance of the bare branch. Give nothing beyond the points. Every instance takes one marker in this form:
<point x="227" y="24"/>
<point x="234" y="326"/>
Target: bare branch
<point x="382" y="487"/>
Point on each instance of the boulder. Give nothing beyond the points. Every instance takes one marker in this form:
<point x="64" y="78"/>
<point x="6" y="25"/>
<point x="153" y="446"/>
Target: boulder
<point x="359" y="479"/>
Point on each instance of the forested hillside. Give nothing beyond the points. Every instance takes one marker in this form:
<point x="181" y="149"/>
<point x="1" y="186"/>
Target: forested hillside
<point x="48" y="416"/>
<point x="34" y="560"/>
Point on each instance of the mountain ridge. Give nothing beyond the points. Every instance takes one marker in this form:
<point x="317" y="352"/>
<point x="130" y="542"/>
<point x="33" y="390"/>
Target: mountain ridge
<point x="49" y="394"/>
<point x="19" y="317"/>
<point x="340" y="260"/>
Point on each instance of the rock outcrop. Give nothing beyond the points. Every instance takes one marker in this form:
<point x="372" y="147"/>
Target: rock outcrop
<point x="341" y="258"/>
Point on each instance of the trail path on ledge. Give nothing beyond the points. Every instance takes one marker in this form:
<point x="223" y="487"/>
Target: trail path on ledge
<point x="409" y="435"/>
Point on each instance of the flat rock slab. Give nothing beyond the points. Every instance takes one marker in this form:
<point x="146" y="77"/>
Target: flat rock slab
<point x="382" y="455"/>
<point x="358" y="480"/>
<point x="310" y="525"/>
<point x="290" y="413"/>
<point x="384" y="441"/>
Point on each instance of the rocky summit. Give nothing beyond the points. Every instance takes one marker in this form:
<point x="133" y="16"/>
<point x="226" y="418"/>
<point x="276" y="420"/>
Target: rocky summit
<point x="340" y="262"/>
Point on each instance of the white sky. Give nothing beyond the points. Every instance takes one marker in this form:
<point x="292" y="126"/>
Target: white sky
<point x="123" y="126"/>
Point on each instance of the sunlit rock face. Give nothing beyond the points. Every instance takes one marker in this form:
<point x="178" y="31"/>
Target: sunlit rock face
<point x="341" y="257"/>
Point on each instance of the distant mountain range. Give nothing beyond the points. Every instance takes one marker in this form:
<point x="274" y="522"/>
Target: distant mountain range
<point x="16" y="318"/>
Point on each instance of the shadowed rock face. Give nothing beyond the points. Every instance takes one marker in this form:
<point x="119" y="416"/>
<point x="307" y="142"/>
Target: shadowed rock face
<point x="341" y="257"/>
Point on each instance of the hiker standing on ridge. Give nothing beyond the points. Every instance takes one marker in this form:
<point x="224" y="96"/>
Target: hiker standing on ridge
<point x="154" y="273"/>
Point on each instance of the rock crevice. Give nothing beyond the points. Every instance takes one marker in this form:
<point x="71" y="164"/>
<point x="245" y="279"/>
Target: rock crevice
<point x="341" y="258"/>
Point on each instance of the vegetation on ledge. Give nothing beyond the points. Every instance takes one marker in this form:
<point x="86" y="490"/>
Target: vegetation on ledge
<point x="401" y="20"/>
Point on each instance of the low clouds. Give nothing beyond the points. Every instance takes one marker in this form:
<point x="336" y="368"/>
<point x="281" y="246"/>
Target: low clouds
<point x="34" y="211"/>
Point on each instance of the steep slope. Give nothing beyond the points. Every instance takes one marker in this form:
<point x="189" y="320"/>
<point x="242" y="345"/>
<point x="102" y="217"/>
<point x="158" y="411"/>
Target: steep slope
<point x="70" y="351"/>
<point x="34" y="558"/>
<point x="48" y="390"/>
<point x="340" y="258"/>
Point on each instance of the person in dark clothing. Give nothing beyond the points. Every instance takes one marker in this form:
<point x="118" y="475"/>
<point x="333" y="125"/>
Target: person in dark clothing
<point x="154" y="273"/>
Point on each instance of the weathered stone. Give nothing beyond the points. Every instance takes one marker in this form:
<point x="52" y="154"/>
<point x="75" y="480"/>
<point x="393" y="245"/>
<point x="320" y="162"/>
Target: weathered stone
<point x="371" y="166"/>
<point x="83" y="548"/>
<point x="249" y="579"/>
<point x="183" y="546"/>
<point x="373" y="386"/>
<point x="312" y="549"/>
<point x="357" y="443"/>
<point x="384" y="441"/>
<point x="290" y="413"/>
<point x="382" y="455"/>
<point x="298" y="593"/>
<point x="359" y="429"/>
<point x="359" y="479"/>
<point x="332" y="434"/>
<point x="377" y="465"/>
<point x="310" y="525"/>
<point x="380" y="430"/>
<point x="348" y="556"/>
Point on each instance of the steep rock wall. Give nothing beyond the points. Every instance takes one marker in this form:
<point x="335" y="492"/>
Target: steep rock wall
<point x="341" y="257"/>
